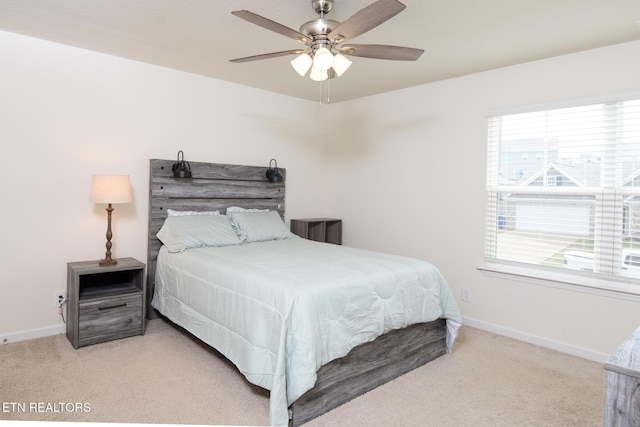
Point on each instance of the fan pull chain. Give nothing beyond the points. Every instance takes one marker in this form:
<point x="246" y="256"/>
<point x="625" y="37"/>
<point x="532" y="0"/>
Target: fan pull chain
<point x="321" y="85"/>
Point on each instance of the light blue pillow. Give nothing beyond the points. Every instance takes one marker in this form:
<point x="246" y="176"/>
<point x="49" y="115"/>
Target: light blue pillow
<point x="259" y="226"/>
<point x="196" y="231"/>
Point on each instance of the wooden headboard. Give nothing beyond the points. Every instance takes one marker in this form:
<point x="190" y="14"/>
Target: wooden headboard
<point x="213" y="186"/>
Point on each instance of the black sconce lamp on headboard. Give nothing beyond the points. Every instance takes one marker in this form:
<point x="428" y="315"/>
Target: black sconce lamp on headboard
<point x="273" y="174"/>
<point x="181" y="169"/>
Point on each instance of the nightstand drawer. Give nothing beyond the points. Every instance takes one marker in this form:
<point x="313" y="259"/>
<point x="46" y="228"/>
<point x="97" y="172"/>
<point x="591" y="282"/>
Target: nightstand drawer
<point x="110" y="318"/>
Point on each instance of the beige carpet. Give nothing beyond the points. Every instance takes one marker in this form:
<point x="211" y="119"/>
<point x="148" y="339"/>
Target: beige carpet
<point x="168" y="377"/>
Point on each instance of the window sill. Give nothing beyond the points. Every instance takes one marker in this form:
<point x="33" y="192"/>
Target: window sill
<point x="627" y="290"/>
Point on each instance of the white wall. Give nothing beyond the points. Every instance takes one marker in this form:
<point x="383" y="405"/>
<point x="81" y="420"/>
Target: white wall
<point x="405" y="170"/>
<point x="66" y="114"/>
<point x="408" y="177"/>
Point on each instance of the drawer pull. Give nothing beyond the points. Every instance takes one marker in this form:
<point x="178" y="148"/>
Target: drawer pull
<point x="111" y="307"/>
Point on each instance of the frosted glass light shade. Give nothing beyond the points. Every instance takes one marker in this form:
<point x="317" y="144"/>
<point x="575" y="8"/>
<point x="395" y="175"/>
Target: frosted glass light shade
<point x="318" y="75"/>
<point x="323" y="59"/>
<point x="302" y="63"/>
<point x="341" y="64"/>
<point x="111" y="189"/>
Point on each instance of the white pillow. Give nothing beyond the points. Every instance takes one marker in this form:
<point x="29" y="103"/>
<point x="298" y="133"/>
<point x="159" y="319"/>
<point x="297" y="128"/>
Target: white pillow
<point x="171" y="212"/>
<point x="259" y="226"/>
<point x="231" y="209"/>
<point x="196" y="231"/>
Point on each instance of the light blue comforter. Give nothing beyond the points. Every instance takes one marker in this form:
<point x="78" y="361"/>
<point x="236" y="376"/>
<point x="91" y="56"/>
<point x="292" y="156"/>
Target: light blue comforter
<point x="281" y="309"/>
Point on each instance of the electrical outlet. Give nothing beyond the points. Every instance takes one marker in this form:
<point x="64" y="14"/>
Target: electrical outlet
<point x="59" y="297"/>
<point x="466" y="294"/>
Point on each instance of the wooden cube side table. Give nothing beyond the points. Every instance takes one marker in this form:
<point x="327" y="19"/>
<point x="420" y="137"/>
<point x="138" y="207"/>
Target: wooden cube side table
<point x="327" y="230"/>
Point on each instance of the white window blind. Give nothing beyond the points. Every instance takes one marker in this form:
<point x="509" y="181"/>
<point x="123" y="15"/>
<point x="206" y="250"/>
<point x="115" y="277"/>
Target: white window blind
<point x="563" y="188"/>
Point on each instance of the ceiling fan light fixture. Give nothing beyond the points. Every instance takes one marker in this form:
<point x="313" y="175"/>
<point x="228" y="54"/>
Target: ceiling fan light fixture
<point x="323" y="36"/>
<point x="323" y="59"/>
<point x="340" y="64"/>
<point x="302" y="63"/>
<point x="318" y="75"/>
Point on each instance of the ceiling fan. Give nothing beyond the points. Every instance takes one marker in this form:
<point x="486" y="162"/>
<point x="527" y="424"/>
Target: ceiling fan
<point x="324" y="39"/>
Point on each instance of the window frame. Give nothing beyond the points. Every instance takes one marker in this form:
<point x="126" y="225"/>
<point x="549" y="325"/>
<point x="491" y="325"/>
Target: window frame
<point x="621" y="286"/>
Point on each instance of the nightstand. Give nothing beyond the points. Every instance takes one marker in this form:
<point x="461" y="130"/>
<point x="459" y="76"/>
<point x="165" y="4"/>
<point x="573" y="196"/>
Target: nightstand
<point x="104" y="303"/>
<point x="328" y="230"/>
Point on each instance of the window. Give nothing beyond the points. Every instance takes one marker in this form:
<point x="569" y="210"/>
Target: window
<point x="574" y="211"/>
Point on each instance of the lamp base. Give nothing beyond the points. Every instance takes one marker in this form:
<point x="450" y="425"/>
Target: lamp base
<point x="107" y="262"/>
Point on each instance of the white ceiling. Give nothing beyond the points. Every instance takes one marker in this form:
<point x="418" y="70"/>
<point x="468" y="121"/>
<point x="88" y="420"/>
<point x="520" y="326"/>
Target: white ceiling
<point x="200" y="36"/>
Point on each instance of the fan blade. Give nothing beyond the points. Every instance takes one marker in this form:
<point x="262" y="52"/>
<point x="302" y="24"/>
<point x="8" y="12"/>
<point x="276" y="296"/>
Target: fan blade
<point x="380" y="51"/>
<point x="271" y="25"/>
<point x="268" y="55"/>
<point x="366" y="19"/>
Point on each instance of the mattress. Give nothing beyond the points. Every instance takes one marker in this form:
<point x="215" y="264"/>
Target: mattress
<point x="281" y="309"/>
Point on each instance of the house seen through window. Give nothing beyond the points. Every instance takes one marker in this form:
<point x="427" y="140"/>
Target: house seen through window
<point x="563" y="189"/>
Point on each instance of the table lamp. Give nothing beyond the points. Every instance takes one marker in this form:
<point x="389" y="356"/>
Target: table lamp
<point x="110" y="189"/>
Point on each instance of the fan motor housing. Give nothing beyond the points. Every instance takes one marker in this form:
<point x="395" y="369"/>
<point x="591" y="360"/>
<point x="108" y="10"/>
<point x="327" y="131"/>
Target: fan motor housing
<point x="318" y="27"/>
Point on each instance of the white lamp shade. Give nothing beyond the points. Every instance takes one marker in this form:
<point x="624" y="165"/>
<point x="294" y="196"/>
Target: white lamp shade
<point x="318" y="74"/>
<point x="340" y="64"/>
<point x="323" y="59"/>
<point x="111" y="189"/>
<point x="302" y="63"/>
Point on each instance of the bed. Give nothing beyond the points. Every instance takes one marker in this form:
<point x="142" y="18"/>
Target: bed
<point x="315" y="324"/>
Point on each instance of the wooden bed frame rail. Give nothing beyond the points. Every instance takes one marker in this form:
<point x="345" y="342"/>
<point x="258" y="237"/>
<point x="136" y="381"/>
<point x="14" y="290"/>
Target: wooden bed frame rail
<point x="369" y="366"/>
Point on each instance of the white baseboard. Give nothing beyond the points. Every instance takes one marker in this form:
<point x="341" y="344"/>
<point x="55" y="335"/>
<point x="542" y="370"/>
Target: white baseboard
<point x="537" y="340"/>
<point x="479" y="324"/>
<point x="31" y="334"/>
